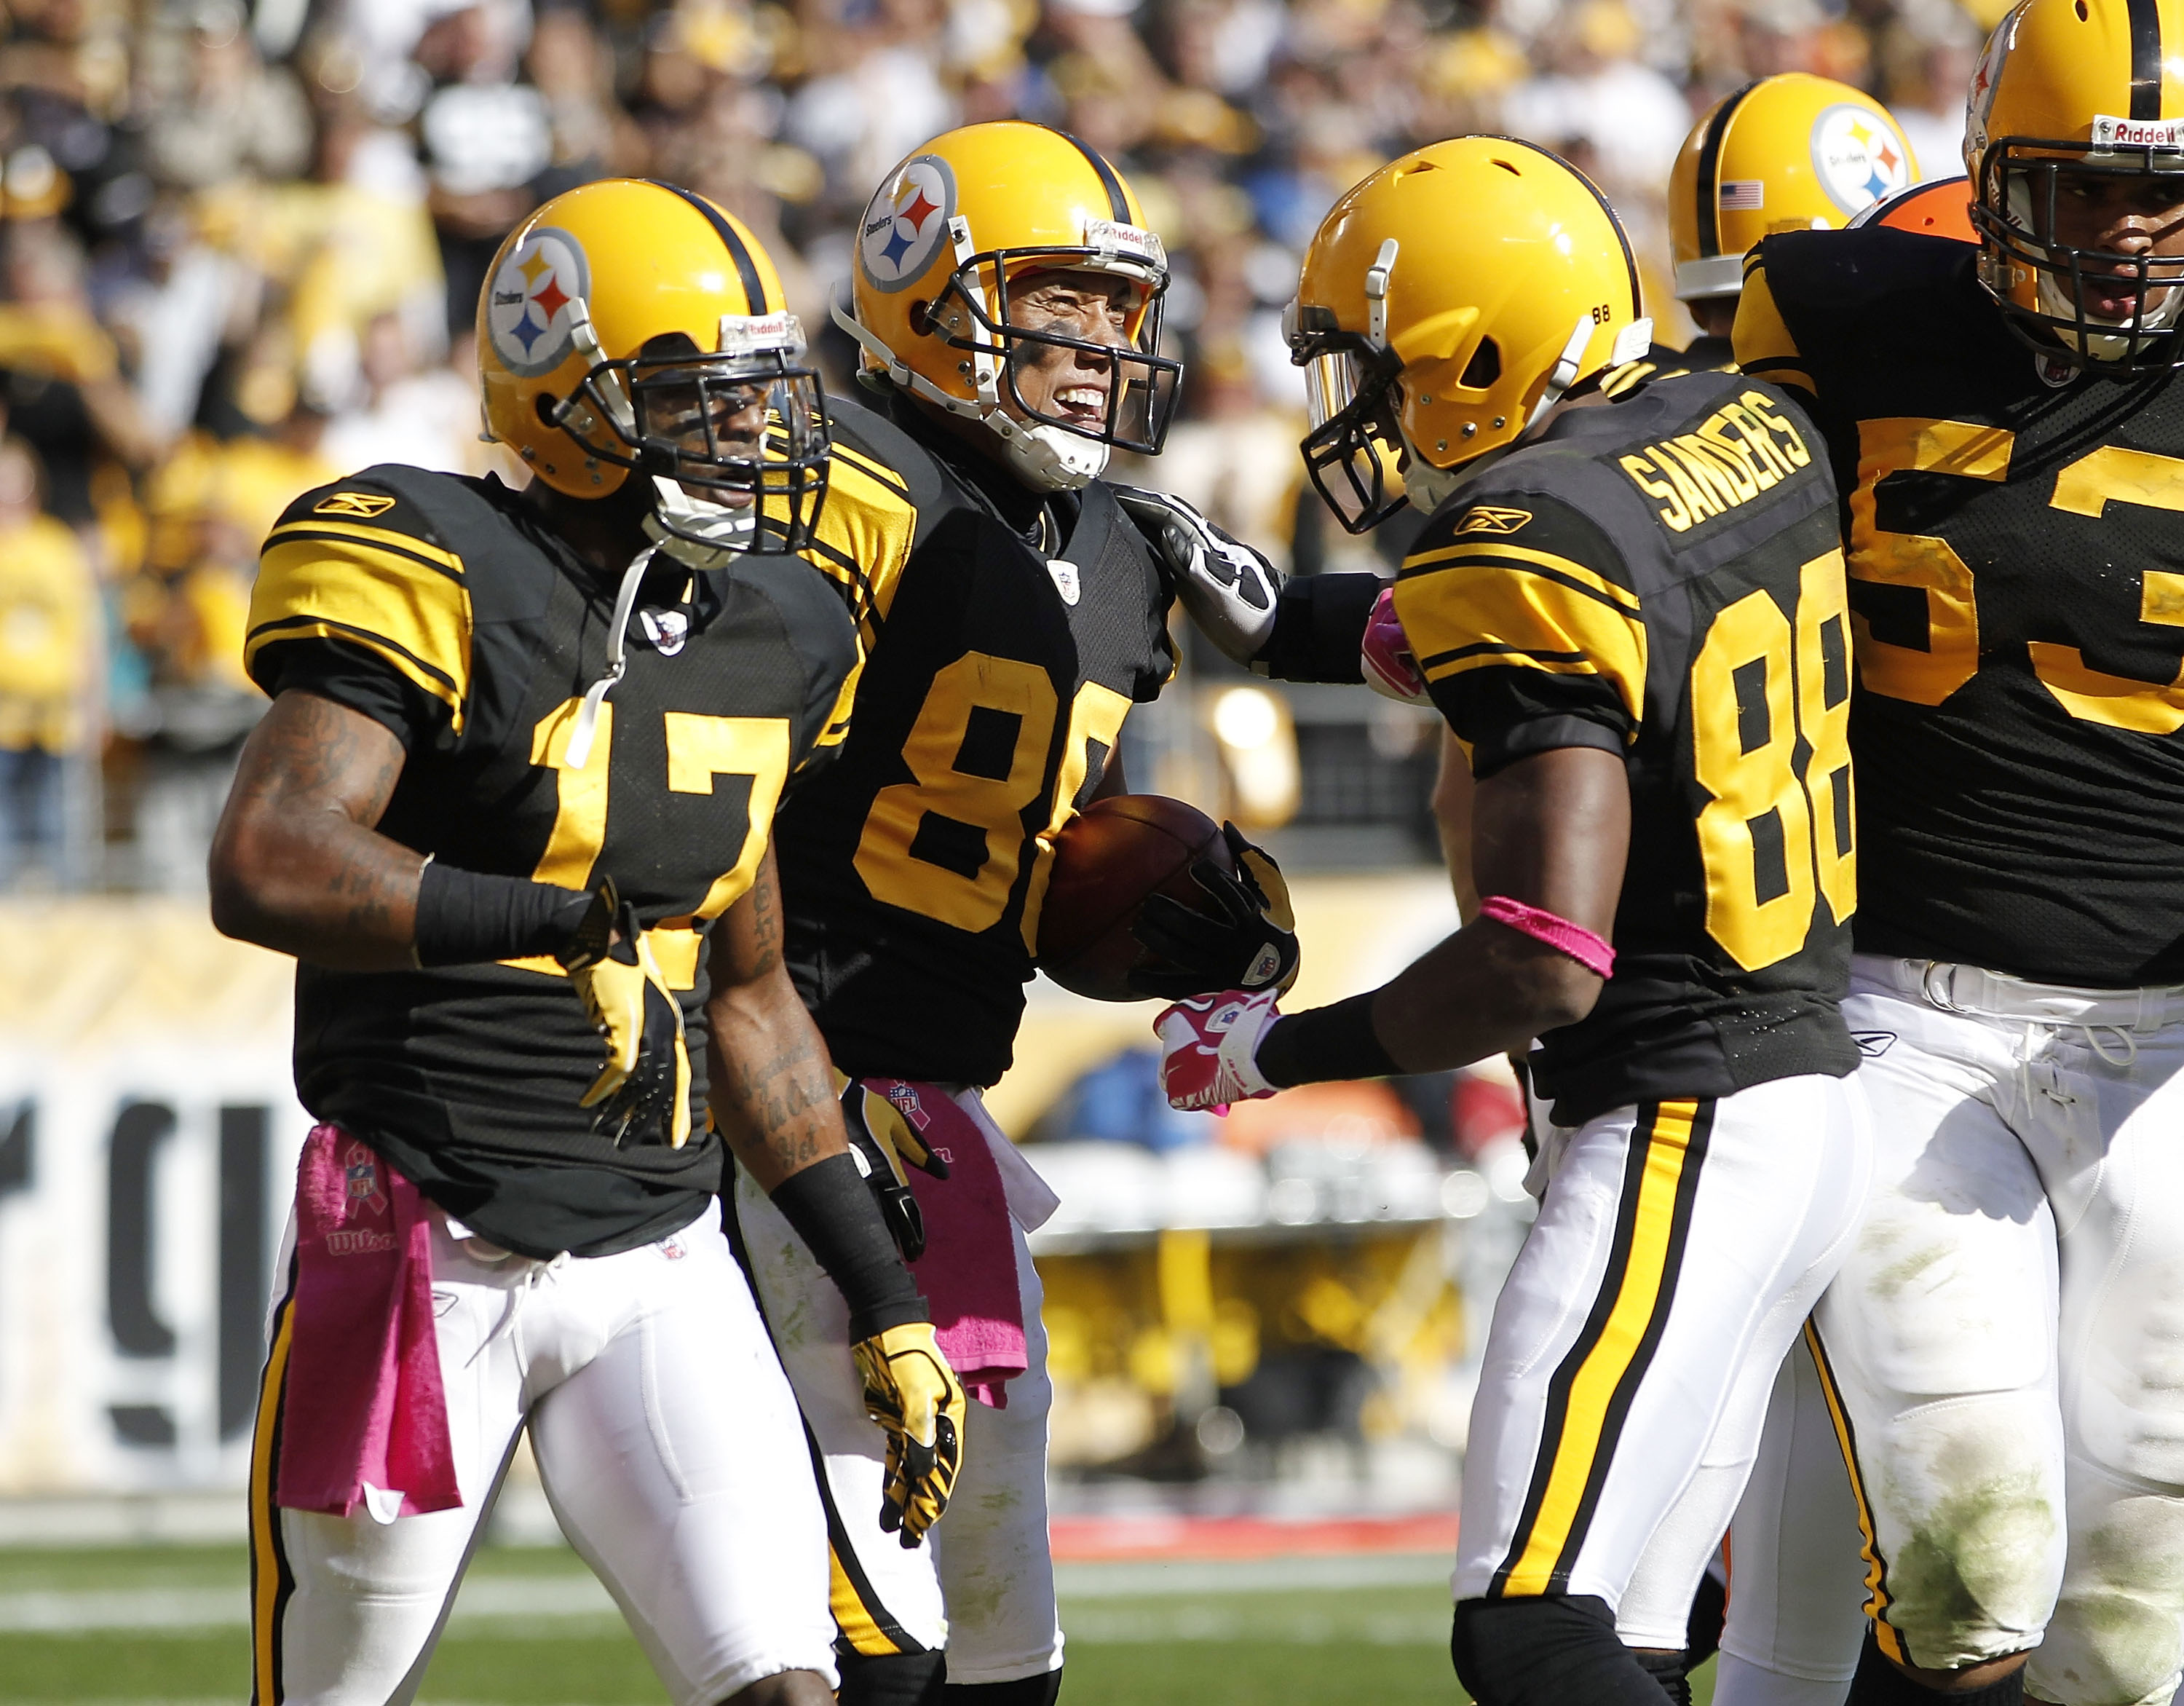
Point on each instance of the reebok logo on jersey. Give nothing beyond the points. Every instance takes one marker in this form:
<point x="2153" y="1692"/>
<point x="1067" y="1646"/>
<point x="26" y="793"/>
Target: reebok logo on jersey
<point x="1492" y="518"/>
<point x="1872" y="1045"/>
<point x="364" y="504"/>
<point x="1737" y="453"/>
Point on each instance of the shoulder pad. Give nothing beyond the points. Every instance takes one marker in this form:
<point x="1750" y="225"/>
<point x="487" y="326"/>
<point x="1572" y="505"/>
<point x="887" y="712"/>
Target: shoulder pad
<point x="362" y="562"/>
<point x="1844" y="272"/>
<point x="880" y="484"/>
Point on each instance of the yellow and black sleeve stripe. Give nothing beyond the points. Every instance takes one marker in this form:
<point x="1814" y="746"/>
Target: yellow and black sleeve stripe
<point x="1765" y="346"/>
<point x="1482" y="603"/>
<point x="392" y="594"/>
<point x="1590" y="1394"/>
<point x="1877" y="1596"/>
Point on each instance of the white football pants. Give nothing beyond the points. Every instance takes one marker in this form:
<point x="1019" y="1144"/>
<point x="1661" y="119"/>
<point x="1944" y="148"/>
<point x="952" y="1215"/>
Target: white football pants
<point x="1796" y="1577"/>
<point x="1679" y="1247"/>
<point x="669" y="1445"/>
<point x="983" y="1583"/>
<point x="2007" y="1337"/>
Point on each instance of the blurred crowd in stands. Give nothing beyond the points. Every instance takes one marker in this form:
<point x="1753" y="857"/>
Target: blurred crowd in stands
<point x="241" y="247"/>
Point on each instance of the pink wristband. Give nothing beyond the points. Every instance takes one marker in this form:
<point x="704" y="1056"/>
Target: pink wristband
<point x="1558" y="933"/>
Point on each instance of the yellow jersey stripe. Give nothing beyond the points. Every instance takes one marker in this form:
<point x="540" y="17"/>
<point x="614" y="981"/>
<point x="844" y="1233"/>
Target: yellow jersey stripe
<point x="302" y="628"/>
<point x="270" y="1581"/>
<point x="1877" y="1597"/>
<point x="872" y="467"/>
<point x="1493" y="553"/>
<point x="1501" y="613"/>
<point x="864" y="538"/>
<point x="1761" y="338"/>
<point x="414" y="614"/>
<point x="403" y="544"/>
<point x="1592" y="1391"/>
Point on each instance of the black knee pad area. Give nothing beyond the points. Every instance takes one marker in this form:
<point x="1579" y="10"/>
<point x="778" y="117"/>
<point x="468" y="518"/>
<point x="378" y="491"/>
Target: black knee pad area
<point x="1551" y="1651"/>
<point x="1025" y="1691"/>
<point x="893" y="1679"/>
<point x="1880" y="1683"/>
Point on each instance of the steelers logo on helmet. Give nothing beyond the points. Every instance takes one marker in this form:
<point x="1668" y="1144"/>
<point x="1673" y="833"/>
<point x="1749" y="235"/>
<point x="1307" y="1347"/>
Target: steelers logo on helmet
<point x="1856" y="158"/>
<point x="906" y="221"/>
<point x="527" y="313"/>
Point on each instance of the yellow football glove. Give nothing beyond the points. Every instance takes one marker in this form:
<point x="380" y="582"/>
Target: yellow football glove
<point x="643" y="1092"/>
<point x="914" y="1396"/>
<point x="884" y="1143"/>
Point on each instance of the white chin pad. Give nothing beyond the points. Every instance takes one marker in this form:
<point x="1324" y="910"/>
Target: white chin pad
<point x="697" y="533"/>
<point x="1048" y="459"/>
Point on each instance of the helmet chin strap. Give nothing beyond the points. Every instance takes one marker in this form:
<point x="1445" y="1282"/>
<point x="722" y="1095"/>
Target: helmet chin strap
<point x="579" y="752"/>
<point x="1045" y="457"/>
<point x="698" y="533"/>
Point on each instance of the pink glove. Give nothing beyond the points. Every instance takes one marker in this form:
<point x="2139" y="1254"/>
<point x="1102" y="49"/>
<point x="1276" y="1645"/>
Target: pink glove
<point x="1390" y="670"/>
<point x="1209" y="1047"/>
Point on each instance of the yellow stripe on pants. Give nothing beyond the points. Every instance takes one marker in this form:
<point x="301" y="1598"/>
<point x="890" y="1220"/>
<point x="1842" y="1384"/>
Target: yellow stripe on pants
<point x="269" y="1567"/>
<point x="1876" y="1572"/>
<point x="1583" y="1438"/>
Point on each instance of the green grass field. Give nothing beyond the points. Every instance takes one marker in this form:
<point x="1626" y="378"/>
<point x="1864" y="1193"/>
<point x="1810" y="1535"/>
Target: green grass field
<point x="532" y="1629"/>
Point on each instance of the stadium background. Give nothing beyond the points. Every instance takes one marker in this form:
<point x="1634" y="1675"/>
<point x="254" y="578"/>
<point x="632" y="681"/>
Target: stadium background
<point x="240" y="248"/>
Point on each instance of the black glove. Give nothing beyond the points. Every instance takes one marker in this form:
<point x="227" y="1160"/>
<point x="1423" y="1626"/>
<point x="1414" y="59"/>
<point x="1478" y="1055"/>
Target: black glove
<point x="1244" y="938"/>
<point x="884" y="1142"/>
<point x="643" y="1091"/>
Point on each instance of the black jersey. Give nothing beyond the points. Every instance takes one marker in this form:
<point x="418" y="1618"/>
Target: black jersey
<point x="443" y="609"/>
<point x="2017" y="589"/>
<point x="1660" y="577"/>
<point x="1005" y="638"/>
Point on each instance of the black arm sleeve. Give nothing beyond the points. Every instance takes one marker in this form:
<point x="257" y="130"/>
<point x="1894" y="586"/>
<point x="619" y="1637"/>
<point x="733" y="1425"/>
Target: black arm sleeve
<point x="1319" y="626"/>
<point x="465" y="917"/>
<point x="831" y="1210"/>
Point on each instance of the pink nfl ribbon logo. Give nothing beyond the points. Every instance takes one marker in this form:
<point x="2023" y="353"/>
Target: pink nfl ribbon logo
<point x="362" y="1168"/>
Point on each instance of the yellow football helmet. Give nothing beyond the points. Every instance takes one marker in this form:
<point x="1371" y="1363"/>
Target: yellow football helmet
<point x="2069" y="94"/>
<point x="633" y="327"/>
<point x="1448" y="302"/>
<point x="1788" y="152"/>
<point x="946" y="237"/>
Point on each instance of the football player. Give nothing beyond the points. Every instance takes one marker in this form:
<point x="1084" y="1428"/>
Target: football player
<point x="1014" y="606"/>
<point x="511" y="801"/>
<point x="1792" y="152"/>
<point x="2009" y="427"/>
<point x="1632" y="614"/>
<point x="1795" y="1622"/>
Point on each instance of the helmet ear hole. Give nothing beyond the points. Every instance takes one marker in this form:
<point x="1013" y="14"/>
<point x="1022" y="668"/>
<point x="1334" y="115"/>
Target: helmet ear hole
<point x="921" y="317"/>
<point x="546" y="404"/>
<point x="1484" y="366"/>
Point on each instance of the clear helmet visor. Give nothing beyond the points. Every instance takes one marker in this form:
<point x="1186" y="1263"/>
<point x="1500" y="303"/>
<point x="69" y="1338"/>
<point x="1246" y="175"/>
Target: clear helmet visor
<point x="1352" y="449"/>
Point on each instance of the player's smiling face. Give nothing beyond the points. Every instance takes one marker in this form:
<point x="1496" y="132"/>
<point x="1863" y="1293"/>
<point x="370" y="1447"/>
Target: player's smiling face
<point x="1063" y="384"/>
<point x="2130" y="218"/>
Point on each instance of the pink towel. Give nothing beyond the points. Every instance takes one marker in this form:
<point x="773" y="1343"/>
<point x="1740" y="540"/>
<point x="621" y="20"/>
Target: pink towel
<point x="364" y="1417"/>
<point x="968" y="1273"/>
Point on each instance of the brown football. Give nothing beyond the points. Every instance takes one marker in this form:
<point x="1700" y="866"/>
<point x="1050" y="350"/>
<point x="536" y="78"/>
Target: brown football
<point x="1106" y="860"/>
